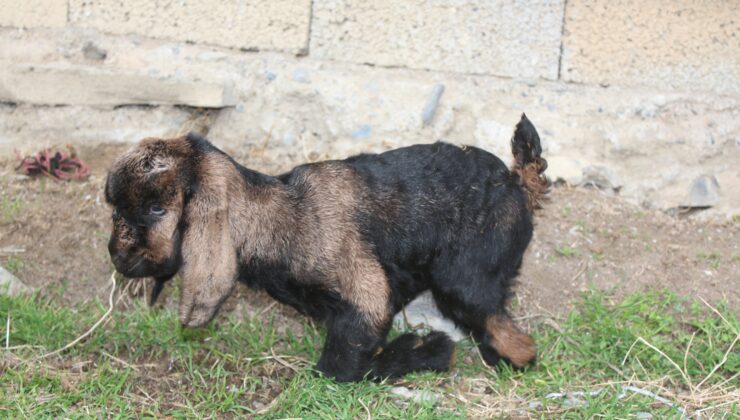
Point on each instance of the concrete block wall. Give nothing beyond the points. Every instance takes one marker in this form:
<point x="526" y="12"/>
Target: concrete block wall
<point x="518" y="39"/>
<point x="691" y="45"/>
<point x="637" y="97"/>
<point x="279" y="25"/>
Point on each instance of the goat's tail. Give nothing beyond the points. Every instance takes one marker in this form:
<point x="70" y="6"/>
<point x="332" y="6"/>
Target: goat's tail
<point x="528" y="164"/>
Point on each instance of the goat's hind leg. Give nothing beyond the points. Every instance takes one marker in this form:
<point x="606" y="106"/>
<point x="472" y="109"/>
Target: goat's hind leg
<point x="354" y="351"/>
<point x="474" y="295"/>
<point x="410" y="353"/>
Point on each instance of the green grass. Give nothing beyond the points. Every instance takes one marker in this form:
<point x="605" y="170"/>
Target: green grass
<point x="14" y="264"/>
<point x="142" y="364"/>
<point x="10" y="208"/>
<point x="566" y="251"/>
<point x="714" y="259"/>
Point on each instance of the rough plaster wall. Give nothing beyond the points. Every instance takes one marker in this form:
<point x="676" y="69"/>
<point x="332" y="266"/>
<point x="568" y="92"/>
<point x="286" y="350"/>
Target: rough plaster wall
<point x="247" y="24"/>
<point x="518" y="39"/>
<point x="33" y="13"/>
<point x="64" y="84"/>
<point x="29" y="128"/>
<point x="676" y="44"/>
<point x="647" y="143"/>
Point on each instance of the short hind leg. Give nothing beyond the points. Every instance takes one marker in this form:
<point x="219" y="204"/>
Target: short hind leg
<point x="355" y="350"/>
<point x="474" y="295"/>
<point x="503" y="339"/>
<point x="494" y="330"/>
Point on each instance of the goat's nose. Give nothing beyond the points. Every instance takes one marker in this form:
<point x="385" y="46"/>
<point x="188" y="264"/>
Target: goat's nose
<point x="117" y="255"/>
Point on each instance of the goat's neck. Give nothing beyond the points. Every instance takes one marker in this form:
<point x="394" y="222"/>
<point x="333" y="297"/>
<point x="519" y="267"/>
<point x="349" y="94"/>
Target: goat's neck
<point x="262" y="214"/>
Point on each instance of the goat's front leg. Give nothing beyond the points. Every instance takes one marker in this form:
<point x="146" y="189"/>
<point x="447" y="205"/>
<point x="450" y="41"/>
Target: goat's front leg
<point x="349" y="348"/>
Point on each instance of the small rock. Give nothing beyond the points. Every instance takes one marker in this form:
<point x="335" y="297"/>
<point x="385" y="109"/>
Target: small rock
<point x="415" y="395"/>
<point x="93" y="52"/>
<point x="80" y="367"/>
<point x="601" y="177"/>
<point x="362" y="132"/>
<point x="10" y="285"/>
<point x="430" y="107"/>
<point x="704" y="192"/>
<point x="301" y="76"/>
<point x="422" y="311"/>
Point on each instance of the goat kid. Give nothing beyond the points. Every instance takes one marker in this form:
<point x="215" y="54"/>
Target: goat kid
<point x="347" y="242"/>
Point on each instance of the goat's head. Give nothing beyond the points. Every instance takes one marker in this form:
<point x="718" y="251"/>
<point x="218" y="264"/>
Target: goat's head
<point x="169" y="200"/>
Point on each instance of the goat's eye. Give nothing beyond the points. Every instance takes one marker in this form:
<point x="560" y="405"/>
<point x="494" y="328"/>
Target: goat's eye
<point x="156" y="211"/>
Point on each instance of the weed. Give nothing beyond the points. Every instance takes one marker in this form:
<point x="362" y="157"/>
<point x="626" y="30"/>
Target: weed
<point x="566" y="251"/>
<point x="14" y="264"/>
<point x="714" y="259"/>
<point x="11" y="208"/>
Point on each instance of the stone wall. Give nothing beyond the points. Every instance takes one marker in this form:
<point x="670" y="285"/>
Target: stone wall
<point x="640" y="98"/>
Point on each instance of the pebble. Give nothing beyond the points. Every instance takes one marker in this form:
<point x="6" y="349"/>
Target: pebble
<point x="601" y="177"/>
<point x="423" y="311"/>
<point x="430" y="107"/>
<point x="301" y="76"/>
<point x="11" y="285"/>
<point x="415" y="395"/>
<point x="704" y="192"/>
<point x="93" y="52"/>
<point x="362" y="132"/>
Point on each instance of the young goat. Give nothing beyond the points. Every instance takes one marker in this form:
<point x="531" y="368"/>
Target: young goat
<point x="348" y="242"/>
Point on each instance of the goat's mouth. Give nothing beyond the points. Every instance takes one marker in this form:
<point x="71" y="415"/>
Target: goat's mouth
<point x="139" y="266"/>
<point x="131" y="267"/>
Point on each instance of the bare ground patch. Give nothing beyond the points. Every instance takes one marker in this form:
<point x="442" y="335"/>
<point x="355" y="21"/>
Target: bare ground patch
<point x="54" y="234"/>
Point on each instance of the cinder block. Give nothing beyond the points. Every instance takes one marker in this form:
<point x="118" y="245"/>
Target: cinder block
<point x="685" y="45"/>
<point x="518" y="39"/>
<point x="33" y="13"/>
<point x="71" y="85"/>
<point x="248" y="24"/>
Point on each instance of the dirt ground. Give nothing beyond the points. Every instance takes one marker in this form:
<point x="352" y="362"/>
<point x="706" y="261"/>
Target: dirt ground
<point x="54" y="234"/>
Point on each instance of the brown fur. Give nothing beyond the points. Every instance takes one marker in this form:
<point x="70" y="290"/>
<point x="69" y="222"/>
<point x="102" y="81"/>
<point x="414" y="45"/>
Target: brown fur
<point x="324" y="238"/>
<point x="509" y="341"/>
<point x="141" y="162"/>
<point x="208" y="249"/>
<point x="535" y="183"/>
<point x="227" y="216"/>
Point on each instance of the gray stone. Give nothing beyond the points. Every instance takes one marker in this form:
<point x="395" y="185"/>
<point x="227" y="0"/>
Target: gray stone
<point x="423" y="312"/>
<point x="362" y="132"/>
<point x="11" y="285"/>
<point x="601" y="177"/>
<point x="704" y="192"/>
<point x="415" y="395"/>
<point x="301" y="76"/>
<point x="430" y="107"/>
<point x="93" y="52"/>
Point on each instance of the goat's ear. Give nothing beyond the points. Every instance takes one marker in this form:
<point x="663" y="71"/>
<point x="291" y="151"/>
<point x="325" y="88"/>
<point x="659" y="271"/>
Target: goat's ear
<point x="209" y="256"/>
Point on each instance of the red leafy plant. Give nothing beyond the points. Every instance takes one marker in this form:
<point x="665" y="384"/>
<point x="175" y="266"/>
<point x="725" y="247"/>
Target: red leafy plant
<point x="61" y="165"/>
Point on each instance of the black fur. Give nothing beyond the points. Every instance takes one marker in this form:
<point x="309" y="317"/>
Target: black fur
<point x="439" y="217"/>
